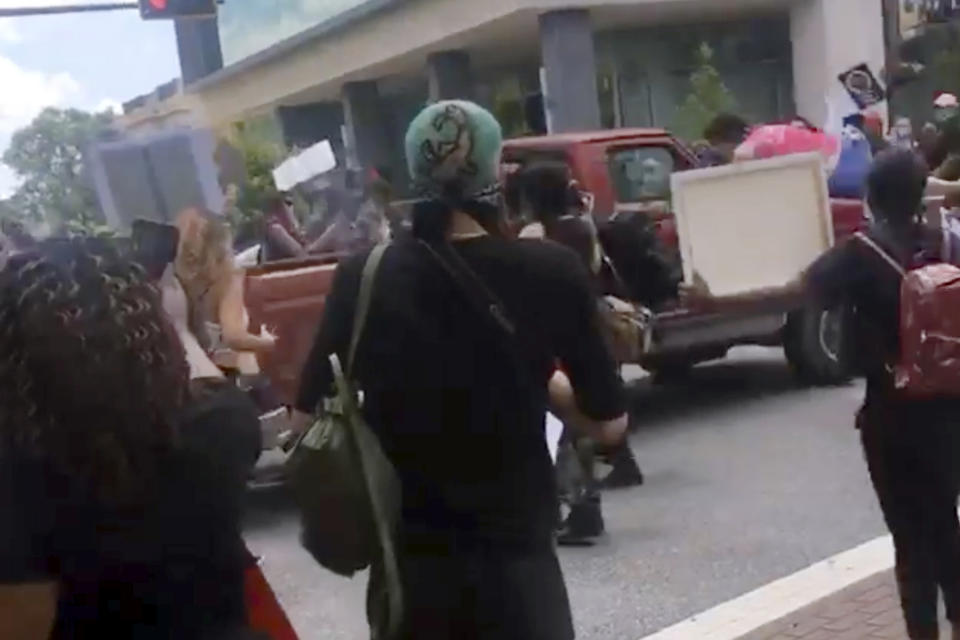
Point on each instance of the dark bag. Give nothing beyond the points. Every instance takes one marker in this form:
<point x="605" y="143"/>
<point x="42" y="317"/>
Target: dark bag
<point x="347" y="490"/>
<point x="648" y="273"/>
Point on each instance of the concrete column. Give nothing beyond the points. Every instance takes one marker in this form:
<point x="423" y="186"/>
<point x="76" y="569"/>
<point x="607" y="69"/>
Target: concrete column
<point x="828" y="38"/>
<point x="198" y="45"/>
<point x="367" y="126"/>
<point x="450" y="76"/>
<point x="306" y="124"/>
<point x="569" y="62"/>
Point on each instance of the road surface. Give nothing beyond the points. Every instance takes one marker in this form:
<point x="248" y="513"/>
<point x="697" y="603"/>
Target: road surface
<point x="749" y="478"/>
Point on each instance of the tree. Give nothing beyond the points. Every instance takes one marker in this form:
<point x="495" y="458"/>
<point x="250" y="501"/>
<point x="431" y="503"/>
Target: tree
<point x="708" y="98"/>
<point x="260" y="156"/>
<point x="47" y="155"/>
<point x="13" y="209"/>
<point x="946" y="70"/>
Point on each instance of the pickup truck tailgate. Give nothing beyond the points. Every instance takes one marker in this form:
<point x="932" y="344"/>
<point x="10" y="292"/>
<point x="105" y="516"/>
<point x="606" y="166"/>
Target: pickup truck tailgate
<point x="288" y="299"/>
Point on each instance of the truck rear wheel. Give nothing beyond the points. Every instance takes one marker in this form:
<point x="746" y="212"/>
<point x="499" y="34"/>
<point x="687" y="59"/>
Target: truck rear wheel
<point x="814" y="345"/>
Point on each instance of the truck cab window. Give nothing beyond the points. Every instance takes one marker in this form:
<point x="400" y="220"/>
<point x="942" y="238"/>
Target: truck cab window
<point x="641" y="174"/>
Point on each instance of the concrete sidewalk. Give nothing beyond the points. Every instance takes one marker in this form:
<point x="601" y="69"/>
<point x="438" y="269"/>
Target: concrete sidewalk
<point x="867" y="610"/>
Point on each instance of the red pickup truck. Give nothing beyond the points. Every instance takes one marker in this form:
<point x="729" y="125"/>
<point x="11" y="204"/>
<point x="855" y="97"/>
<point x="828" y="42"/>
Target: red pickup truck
<point x="625" y="170"/>
<point x="628" y="170"/>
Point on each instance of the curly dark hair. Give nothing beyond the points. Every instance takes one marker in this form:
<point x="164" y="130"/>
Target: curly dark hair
<point x="92" y="375"/>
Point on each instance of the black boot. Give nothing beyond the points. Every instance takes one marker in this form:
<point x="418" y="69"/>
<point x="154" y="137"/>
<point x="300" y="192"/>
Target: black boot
<point x="583" y="526"/>
<point x="626" y="472"/>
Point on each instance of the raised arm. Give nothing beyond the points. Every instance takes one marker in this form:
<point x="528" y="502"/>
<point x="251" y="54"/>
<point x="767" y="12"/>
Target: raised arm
<point x="699" y="296"/>
<point x="825" y="281"/>
<point x="937" y="187"/>
<point x="234" y="321"/>
<point x="282" y="239"/>
<point x="331" y="239"/>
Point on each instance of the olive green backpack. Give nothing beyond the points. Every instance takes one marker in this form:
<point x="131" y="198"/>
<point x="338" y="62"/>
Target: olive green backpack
<point x="347" y="490"/>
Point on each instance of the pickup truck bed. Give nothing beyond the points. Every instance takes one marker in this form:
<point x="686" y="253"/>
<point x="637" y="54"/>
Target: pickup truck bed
<point x="288" y="298"/>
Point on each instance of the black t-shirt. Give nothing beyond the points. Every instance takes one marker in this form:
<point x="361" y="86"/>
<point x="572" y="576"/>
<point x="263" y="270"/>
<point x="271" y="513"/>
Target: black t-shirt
<point x="170" y="567"/>
<point x="641" y="264"/>
<point x="460" y="413"/>
<point x="575" y="233"/>
<point x="852" y="273"/>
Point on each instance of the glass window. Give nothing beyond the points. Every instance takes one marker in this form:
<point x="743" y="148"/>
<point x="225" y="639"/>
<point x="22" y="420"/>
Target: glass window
<point x="641" y="173"/>
<point x="251" y="26"/>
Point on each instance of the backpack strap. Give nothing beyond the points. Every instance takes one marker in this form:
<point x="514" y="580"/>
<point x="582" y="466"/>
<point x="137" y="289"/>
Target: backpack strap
<point x="876" y="248"/>
<point x="367" y="280"/>
<point x="386" y="567"/>
<point x="484" y="301"/>
<point x="473" y="288"/>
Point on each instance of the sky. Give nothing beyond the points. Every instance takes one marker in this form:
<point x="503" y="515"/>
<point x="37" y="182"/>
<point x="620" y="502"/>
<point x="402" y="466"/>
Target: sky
<point x="89" y="61"/>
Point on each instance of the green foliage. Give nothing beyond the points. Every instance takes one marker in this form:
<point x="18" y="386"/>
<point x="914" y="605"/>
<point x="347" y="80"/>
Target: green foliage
<point x="509" y="113"/>
<point x="708" y="98"/>
<point x="249" y="200"/>
<point x="13" y="208"/>
<point x="946" y="70"/>
<point x="47" y="155"/>
<point x="75" y="228"/>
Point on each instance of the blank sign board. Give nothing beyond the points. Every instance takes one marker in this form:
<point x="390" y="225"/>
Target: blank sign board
<point x="752" y="225"/>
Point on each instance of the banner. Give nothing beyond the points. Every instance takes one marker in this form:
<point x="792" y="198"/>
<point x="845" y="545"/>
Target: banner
<point x="306" y="165"/>
<point x="862" y="86"/>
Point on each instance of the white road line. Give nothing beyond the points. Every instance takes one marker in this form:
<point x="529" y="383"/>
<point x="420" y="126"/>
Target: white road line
<point x="780" y="598"/>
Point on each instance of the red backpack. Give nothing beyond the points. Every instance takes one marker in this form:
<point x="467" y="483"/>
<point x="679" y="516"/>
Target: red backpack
<point x="929" y="364"/>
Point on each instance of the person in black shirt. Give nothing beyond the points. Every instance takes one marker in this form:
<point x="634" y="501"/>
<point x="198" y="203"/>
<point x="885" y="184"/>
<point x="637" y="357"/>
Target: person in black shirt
<point x="120" y="494"/>
<point x="547" y="196"/>
<point x="459" y="407"/>
<point x="912" y="447"/>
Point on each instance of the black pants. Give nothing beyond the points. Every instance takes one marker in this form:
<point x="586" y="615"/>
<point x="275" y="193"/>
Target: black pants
<point x="914" y="460"/>
<point x="483" y="594"/>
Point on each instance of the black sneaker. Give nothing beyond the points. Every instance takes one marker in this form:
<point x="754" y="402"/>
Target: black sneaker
<point x="625" y="473"/>
<point x="583" y="526"/>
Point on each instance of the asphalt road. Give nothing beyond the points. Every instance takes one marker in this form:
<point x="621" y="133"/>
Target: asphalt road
<point x="749" y="478"/>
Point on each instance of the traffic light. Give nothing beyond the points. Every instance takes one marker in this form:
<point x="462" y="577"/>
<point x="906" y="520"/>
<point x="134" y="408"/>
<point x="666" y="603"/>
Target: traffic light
<point x="170" y="9"/>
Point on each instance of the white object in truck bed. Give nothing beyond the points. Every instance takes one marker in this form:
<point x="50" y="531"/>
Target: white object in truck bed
<point x="752" y="225"/>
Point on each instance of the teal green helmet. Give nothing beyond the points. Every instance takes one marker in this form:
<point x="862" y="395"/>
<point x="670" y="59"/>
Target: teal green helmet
<point x="453" y="150"/>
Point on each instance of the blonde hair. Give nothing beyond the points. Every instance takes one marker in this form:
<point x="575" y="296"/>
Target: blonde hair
<point x="204" y="263"/>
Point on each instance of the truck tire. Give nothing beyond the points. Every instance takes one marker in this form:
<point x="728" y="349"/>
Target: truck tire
<point x="814" y="343"/>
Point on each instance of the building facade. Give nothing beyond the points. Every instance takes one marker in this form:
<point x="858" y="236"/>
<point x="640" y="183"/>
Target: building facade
<point x="356" y="71"/>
